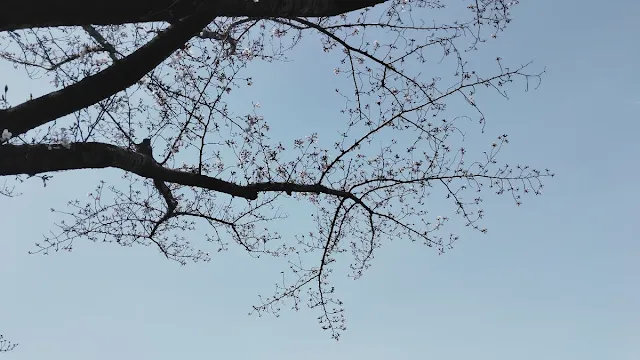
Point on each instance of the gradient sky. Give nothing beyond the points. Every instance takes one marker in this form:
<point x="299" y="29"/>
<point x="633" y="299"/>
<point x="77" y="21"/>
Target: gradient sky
<point x="556" y="278"/>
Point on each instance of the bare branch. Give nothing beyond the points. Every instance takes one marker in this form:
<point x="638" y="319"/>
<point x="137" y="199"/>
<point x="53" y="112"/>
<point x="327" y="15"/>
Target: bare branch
<point x="46" y="13"/>
<point x="35" y="159"/>
<point x="6" y="345"/>
<point x="100" y="86"/>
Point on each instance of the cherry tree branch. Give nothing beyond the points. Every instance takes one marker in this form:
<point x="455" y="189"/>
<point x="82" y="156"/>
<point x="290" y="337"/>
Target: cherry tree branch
<point x="41" y="158"/>
<point x="95" y="34"/>
<point x="35" y="159"/>
<point x="119" y="76"/>
<point x="6" y="345"/>
<point x="47" y="13"/>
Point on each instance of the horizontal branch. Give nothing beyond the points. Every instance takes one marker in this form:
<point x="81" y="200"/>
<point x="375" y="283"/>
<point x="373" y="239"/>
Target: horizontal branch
<point x="22" y="14"/>
<point x="302" y="188"/>
<point x="42" y="158"/>
<point x="36" y="159"/>
<point x="95" y="88"/>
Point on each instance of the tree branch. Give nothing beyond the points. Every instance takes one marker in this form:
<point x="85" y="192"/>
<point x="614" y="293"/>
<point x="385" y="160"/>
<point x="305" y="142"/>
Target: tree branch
<point x="22" y="14"/>
<point x="95" y="34"/>
<point x="35" y="159"/>
<point x="41" y="158"/>
<point x="6" y="345"/>
<point x="117" y="77"/>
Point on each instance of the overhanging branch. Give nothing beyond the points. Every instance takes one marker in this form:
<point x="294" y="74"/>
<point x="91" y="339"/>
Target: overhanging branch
<point x="42" y="158"/>
<point x="22" y="14"/>
<point x="36" y="159"/>
<point x="117" y="77"/>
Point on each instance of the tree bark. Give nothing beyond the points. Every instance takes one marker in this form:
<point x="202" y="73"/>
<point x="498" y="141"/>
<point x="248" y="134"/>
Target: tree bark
<point x="22" y="14"/>
<point x="42" y="158"/>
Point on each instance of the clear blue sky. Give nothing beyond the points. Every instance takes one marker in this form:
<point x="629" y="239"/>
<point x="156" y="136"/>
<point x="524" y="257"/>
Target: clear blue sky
<point x="554" y="279"/>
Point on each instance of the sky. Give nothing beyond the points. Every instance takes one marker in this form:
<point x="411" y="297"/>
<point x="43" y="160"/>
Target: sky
<point x="556" y="278"/>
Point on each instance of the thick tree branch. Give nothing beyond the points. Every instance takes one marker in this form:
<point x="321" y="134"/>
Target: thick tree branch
<point x="35" y="159"/>
<point x="117" y="77"/>
<point x="22" y="14"/>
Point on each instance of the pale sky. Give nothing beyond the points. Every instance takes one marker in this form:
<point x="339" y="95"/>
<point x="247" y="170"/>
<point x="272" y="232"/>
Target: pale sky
<point x="556" y="278"/>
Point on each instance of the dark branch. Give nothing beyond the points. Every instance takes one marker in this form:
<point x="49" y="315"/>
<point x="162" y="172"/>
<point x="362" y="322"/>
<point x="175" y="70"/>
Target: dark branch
<point x="6" y="345"/>
<point x="35" y="159"/>
<point x="100" y="86"/>
<point x="22" y="14"/>
<point x="95" y="34"/>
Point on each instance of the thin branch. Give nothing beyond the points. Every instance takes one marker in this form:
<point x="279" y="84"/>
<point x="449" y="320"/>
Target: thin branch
<point x="95" y="34"/>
